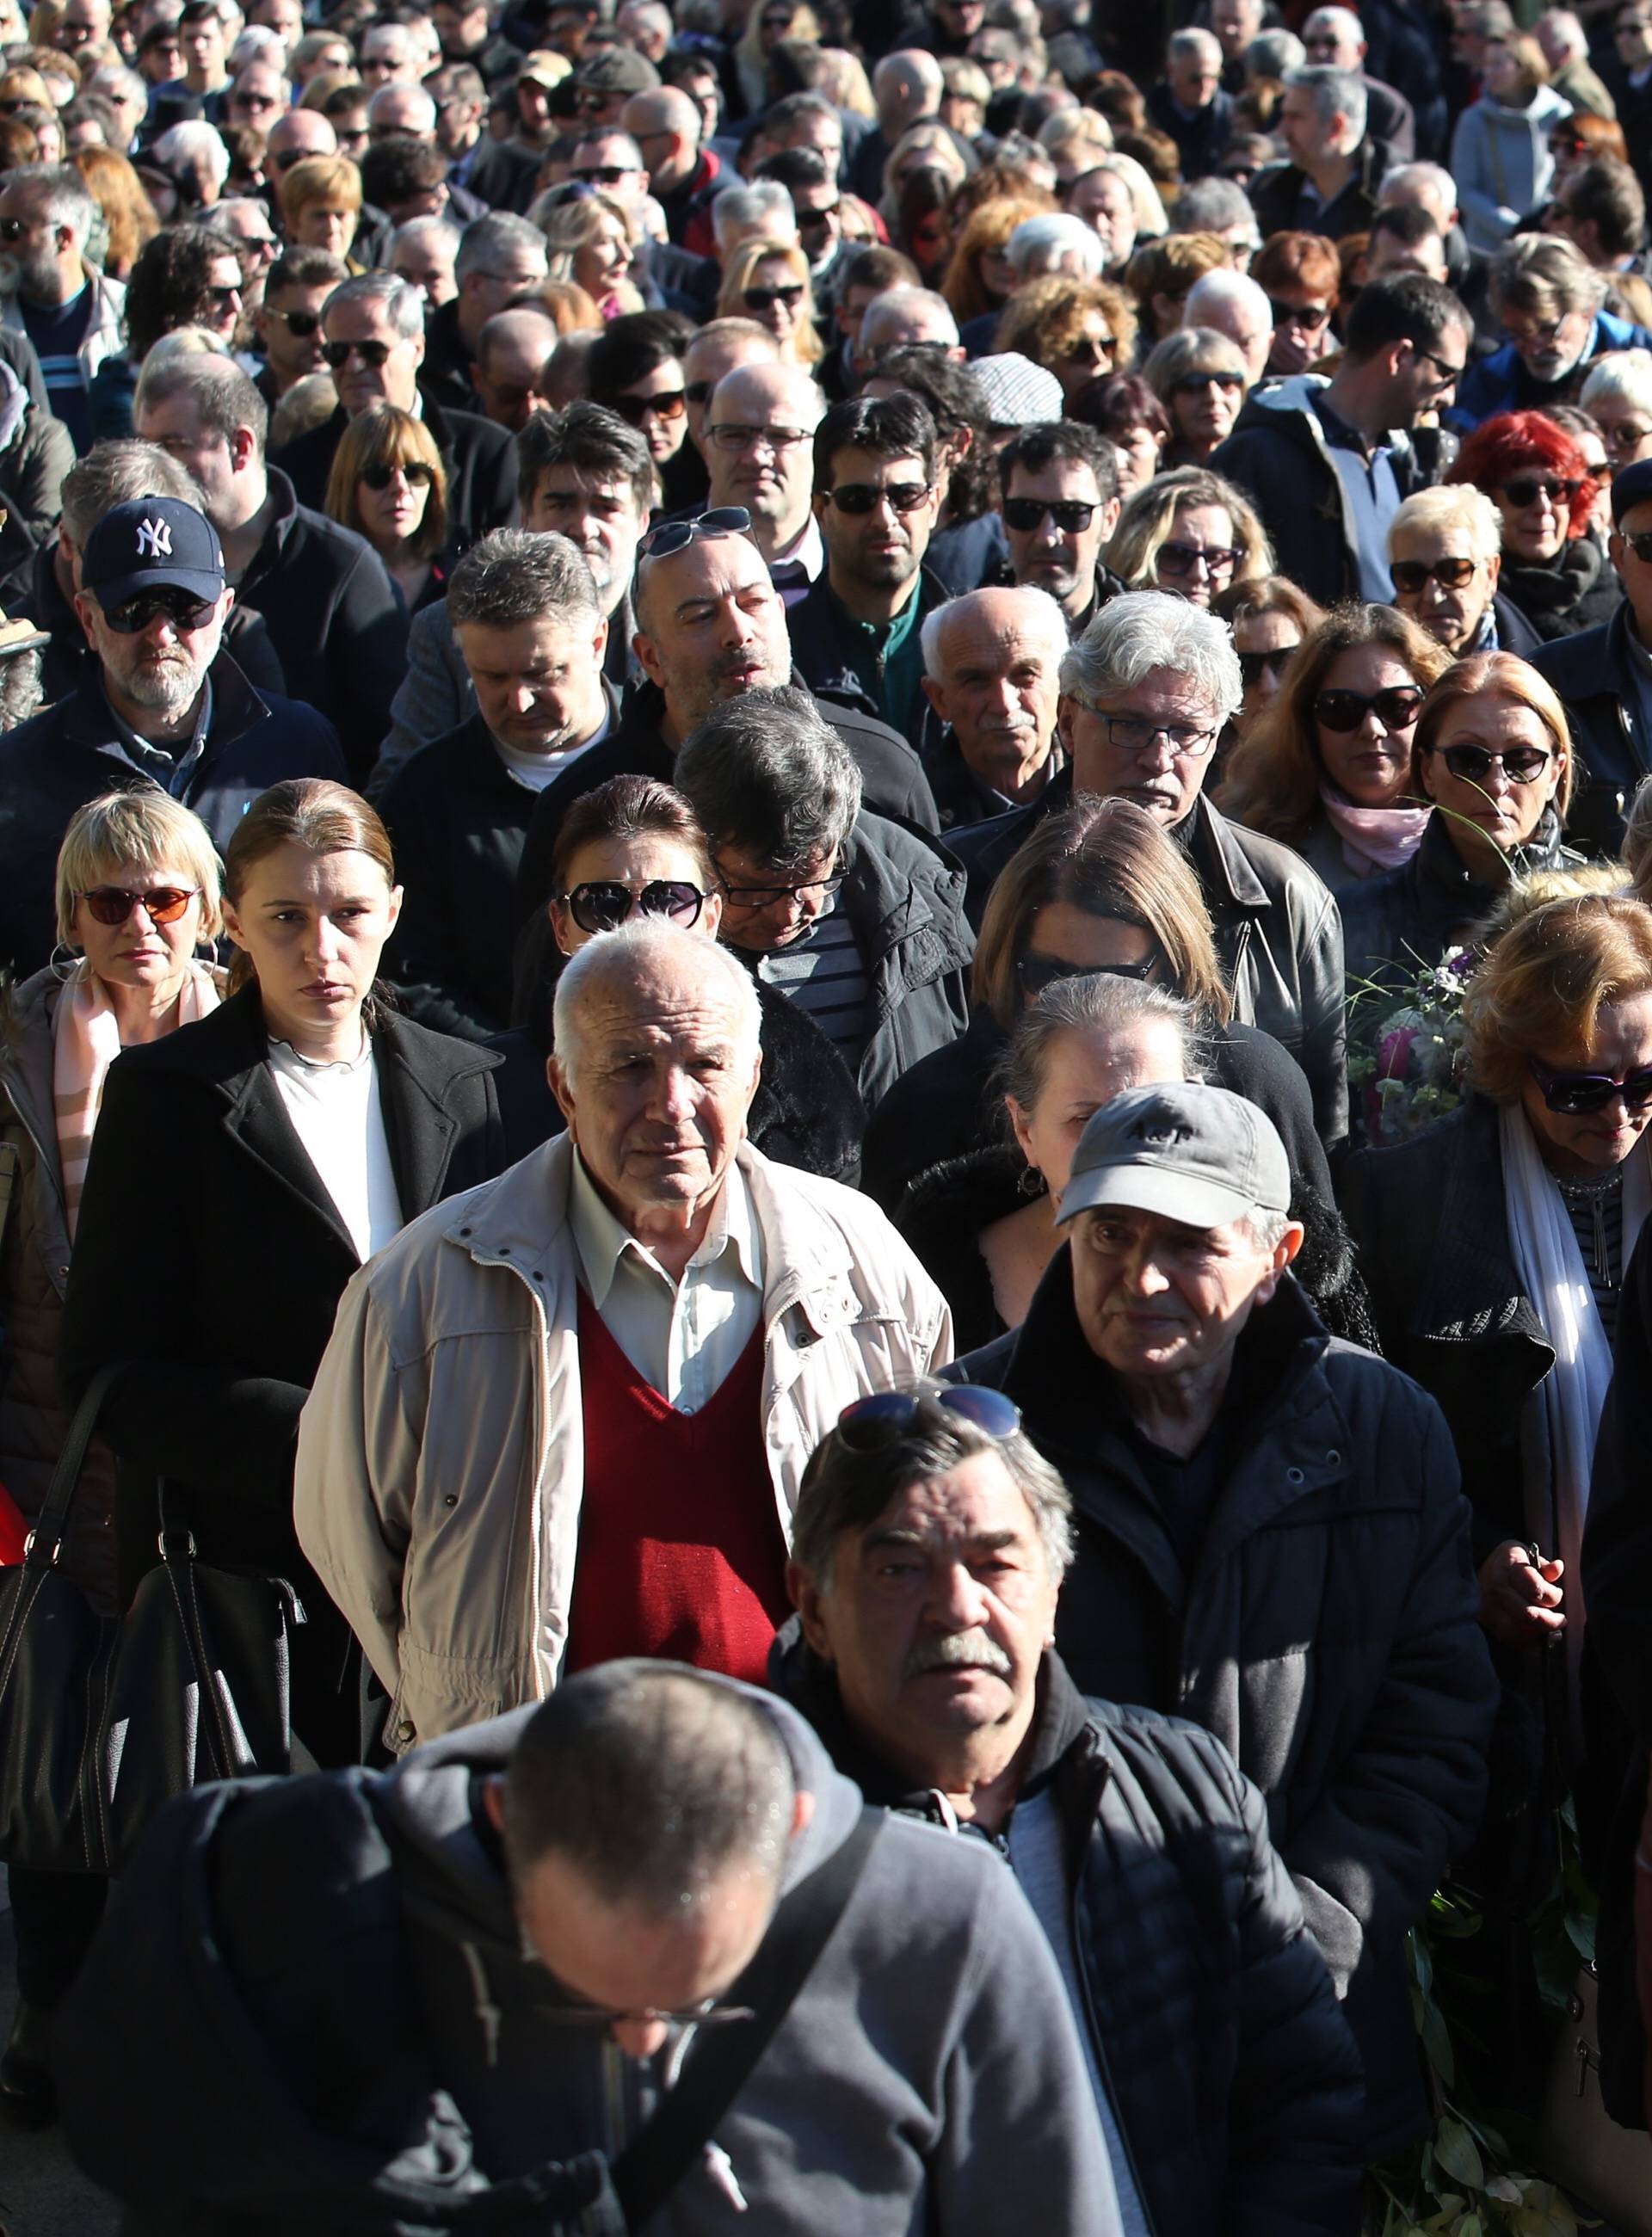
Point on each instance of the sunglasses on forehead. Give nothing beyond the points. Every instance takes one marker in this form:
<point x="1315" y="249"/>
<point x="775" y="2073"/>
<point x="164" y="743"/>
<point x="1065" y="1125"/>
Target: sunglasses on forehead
<point x="677" y="535"/>
<point x="883" y="1417"/>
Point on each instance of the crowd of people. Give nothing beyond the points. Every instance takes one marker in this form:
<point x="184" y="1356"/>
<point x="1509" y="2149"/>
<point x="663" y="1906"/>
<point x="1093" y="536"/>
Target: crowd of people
<point x="829" y="829"/>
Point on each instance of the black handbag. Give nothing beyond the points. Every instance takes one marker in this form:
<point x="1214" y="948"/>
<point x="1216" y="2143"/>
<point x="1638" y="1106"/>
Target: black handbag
<point x="102" y="1718"/>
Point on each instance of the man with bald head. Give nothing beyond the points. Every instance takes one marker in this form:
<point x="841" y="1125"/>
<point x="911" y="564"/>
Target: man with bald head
<point x="992" y="666"/>
<point x="511" y="373"/>
<point x="906" y="87"/>
<point x="760" y="430"/>
<point x="710" y="626"/>
<point x="719" y="346"/>
<point x="905" y="318"/>
<point x="301" y="133"/>
<point x="398" y="111"/>
<point x="681" y="175"/>
<point x="542" y="1359"/>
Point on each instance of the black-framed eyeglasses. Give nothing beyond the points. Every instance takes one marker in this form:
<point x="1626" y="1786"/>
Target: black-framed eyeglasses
<point x="729" y="435"/>
<point x="1450" y="375"/>
<point x="1274" y="662"/>
<point x="372" y="354"/>
<point x="1411" y="577"/>
<point x="1641" y="545"/>
<point x="601" y="904"/>
<point x="860" y="496"/>
<point x="414" y="473"/>
<point x="1071" y="515"/>
<point x="1396" y="708"/>
<point x="766" y="897"/>
<point x="182" y="610"/>
<point x="1580" y="1094"/>
<point x="1309" y="316"/>
<point x="1137" y="734"/>
<point x="1473" y="764"/>
<point x="1033" y="973"/>
<point x="677" y="535"/>
<point x="866" y="1425"/>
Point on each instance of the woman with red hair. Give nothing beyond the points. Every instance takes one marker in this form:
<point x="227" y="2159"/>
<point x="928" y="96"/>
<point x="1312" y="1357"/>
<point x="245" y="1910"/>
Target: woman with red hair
<point x="1535" y="475"/>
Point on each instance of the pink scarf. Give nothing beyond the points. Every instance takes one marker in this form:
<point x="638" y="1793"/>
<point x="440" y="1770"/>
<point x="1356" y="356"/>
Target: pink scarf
<point x="86" y="1039"/>
<point x="1374" y="839"/>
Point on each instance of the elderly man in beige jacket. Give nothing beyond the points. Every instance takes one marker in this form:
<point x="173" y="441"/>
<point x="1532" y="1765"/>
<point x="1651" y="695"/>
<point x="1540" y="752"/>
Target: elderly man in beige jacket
<point x="564" y="1416"/>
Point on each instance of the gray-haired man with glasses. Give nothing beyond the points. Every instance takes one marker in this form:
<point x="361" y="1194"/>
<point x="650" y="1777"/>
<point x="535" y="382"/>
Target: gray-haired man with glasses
<point x="1145" y="692"/>
<point x="760" y="425"/>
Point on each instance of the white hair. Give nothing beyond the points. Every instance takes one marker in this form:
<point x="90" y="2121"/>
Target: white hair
<point x="1457" y="504"/>
<point x="1566" y="33"/>
<point x="1335" y="93"/>
<point x="1052" y="238"/>
<point x="1144" y="630"/>
<point x="1204" y="44"/>
<point x="258" y="44"/>
<point x="1621" y="377"/>
<point x="1339" y="22"/>
<point x="899" y="301"/>
<point x="1429" y="184"/>
<point x="628" y="951"/>
<point x="1272" y="54"/>
<point x="185" y="141"/>
<point x="741" y="206"/>
<point x="1044" y="619"/>
<point x="1221" y="287"/>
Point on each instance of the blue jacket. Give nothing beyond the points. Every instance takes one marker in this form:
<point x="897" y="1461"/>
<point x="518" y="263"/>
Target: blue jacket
<point x="1501" y="383"/>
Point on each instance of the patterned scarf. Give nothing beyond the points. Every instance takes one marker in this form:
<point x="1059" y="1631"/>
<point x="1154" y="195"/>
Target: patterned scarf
<point x="86" y="1039"/>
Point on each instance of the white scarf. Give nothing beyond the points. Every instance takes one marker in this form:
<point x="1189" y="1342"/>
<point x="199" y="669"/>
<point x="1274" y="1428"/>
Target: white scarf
<point x="1553" y="1276"/>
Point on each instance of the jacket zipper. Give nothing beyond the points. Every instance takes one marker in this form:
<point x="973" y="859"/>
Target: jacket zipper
<point x="1082" y="1970"/>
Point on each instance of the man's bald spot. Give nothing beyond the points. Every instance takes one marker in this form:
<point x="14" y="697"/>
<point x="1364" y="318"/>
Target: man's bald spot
<point x="666" y="108"/>
<point x="532" y="332"/>
<point x="760" y="386"/>
<point x="675" y="583"/>
<point x="1031" y="616"/>
<point x="623" y="991"/>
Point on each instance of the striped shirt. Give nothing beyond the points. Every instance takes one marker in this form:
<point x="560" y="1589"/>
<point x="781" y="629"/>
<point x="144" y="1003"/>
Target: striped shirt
<point x="57" y="331"/>
<point x="824" y="976"/>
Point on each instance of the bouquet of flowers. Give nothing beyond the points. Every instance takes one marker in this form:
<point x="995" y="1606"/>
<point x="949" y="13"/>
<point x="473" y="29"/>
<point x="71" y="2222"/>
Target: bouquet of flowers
<point x="1407" y="1064"/>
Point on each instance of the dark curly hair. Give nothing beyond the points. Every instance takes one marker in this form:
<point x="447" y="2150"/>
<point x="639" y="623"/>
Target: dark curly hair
<point x="168" y="283"/>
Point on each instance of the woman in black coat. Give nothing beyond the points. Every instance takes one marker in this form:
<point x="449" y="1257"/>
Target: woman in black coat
<point x="1098" y="887"/>
<point x="242" y="1170"/>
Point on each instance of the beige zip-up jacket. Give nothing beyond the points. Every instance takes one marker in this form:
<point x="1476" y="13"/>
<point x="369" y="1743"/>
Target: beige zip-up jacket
<point x="441" y="1460"/>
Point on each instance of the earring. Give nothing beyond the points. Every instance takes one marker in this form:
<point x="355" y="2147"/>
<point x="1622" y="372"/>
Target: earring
<point x="1032" y="1184"/>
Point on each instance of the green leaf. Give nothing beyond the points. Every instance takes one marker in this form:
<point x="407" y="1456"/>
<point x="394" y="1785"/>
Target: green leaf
<point x="1458" y="2153"/>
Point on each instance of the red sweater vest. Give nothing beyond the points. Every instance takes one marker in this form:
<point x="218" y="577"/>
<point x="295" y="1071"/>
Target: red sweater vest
<point x="681" y="1553"/>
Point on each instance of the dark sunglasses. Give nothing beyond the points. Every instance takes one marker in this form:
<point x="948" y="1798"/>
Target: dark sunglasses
<point x="1395" y="708"/>
<point x="860" y="496"/>
<point x="601" y="903"/>
<point x="677" y="535"/>
<point x="1641" y="545"/>
<point x="1071" y="515"/>
<point x="1310" y="318"/>
<point x="338" y="355"/>
<point x="603" y="174"/>
<point x="1251" y="665"/>
<point x="1530" y="488"/>
<point x="300" y="323"/>
<point x="13" y="228"/>
<point x="1412" y="576"/>
<point x="417" y="475"/>
<point x="812" y="220"/>
<point x="112" y="905"/>
<point x="1035" y="973"/>
<point x="226" y="298"/>
<point x="1182" y="558"/>
<point x="1192" y="384"/>
<point x="178" y="608"/>
<point x="670" y="404"/>
<point x="764" y="298"/>
<point x="1094" y="349"/>
<point x="1474" y="765"/>
<point x="1580" y="1094"/>
<point x="866" y="1425"/>
<point x="699" y="393"/>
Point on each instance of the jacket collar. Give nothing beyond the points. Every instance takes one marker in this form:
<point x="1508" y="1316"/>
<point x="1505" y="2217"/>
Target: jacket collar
<point x="1223" y="866"/>
<point x="279" y="527"/>
<point x="235" y="708"/>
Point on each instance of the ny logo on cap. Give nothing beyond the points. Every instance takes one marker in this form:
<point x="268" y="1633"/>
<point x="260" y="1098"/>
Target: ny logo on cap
<point x="155" y="539"/>
<point x="1153" y="1126"/>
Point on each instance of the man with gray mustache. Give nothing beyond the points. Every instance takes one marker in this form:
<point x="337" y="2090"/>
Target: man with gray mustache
<point x="929" y="1545"/>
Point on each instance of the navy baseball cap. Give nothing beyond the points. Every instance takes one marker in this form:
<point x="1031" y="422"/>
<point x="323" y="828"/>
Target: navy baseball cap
<point x="152" y="544"/>
<point x="1632" y="487"/>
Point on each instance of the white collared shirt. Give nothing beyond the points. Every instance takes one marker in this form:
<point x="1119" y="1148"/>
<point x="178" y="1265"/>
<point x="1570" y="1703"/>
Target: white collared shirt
<point x="685" y="1337"/>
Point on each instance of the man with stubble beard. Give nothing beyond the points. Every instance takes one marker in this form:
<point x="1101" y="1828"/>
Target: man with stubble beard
<point x="162" y="702"/>
<point x="710" y="626"/>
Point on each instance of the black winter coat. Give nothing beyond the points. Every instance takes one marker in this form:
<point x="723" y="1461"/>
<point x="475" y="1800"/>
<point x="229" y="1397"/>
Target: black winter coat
<point x="1277" y="933"/>
<point x="1327" y="1631"/>
<point x="57" y="760"/>
<point x="1594" y="674"/>
<point x="1394" y="925"/>
<point x="335" y="619"/>
<point x="893" y="783"/>
<point x="824" y="651"/>
<point x="1276" y="195"/>
<point x="1576" y="591"/>
<point x="458" y="819"/>
<point x="479" y="458"/>
<point x="1234" y="2079"/>
<point x="198" y="1178"/>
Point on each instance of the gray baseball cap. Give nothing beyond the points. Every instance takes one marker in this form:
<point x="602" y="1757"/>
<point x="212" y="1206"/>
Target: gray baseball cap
<point x="1190" y="1152"/>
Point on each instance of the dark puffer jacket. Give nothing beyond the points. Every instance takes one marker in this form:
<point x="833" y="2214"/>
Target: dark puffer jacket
<point x="1327" y="1630"/>
<point x="1234" y="2079"/>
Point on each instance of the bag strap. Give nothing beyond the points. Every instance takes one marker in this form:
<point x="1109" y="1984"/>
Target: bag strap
<point x="719" y="2066"/>
<point x="46" y="1538"/>
<point x="9" y="1165"/>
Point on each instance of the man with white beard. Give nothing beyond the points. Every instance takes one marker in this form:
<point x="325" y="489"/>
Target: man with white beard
<point x="161" y="701"/>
